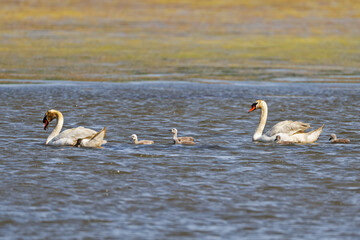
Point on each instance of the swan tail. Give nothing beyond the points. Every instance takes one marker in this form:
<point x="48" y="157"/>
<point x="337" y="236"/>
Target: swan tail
<point x="94" y="141"/>
<point x="314" y="135"/>
<point x="98" y="138"/>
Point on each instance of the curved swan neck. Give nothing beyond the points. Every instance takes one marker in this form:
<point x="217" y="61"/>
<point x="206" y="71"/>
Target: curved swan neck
<point x="175" y="136"/>
<point x="136" y="141"/>
<point x="262" y="123"/>
<point x="58" y="127"/>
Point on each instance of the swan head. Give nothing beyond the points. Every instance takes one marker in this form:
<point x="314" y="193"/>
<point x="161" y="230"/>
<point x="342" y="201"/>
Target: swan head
<point x="257" y="104"/>
<point x="134" y="137"/>
<point x="49" y="116"/>
<point x="277" y="138"/>
<point x="332" y="136"/>
<point x="174" y="130"/>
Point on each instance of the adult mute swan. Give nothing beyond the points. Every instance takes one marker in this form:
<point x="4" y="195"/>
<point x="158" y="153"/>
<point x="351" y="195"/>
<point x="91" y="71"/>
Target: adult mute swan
<point x="291" y="131"/>
<point x="79" y="137"/>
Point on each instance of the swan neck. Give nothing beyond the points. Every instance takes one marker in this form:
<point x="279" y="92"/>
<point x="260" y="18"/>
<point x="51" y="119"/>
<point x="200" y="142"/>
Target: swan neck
<point x="58" y="127"/>
<point x="175" y="136"/>
<point x="262" y="123"/>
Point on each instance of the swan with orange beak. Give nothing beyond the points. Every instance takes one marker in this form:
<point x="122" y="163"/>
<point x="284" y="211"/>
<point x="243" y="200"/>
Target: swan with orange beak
<point x="80" y="136"/>
<point x="292" y="131"/>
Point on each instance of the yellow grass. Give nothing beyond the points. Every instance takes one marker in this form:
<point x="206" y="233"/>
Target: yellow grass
<point x="117" y="40"/>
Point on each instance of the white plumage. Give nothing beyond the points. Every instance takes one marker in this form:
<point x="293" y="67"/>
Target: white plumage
<point x="292" y="131"/>
<point x="80" y="136"/>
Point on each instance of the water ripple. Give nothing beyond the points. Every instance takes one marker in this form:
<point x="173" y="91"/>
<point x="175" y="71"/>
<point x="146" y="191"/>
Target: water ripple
<point x="224" y="187"/>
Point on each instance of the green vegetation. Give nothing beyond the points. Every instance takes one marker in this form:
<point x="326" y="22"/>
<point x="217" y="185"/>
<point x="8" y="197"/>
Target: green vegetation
<point x="168" y="39"/>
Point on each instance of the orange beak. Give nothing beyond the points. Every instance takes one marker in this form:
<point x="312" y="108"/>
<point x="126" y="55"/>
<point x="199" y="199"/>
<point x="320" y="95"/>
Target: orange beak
<point x="252" y="109"/>
<point x="46" y="123"/>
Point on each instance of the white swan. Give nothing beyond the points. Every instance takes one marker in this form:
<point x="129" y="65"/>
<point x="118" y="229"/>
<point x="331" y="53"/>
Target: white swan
<point x="79" y="137"/>
<point x="136" y="141"/>
<point x="290" y="131"/>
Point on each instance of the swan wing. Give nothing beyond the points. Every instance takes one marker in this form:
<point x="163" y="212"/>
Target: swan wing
<point x="303" y="137"/>
<point x="76" y="133"/>
<point x="191" y="139"/>
<point x="288" y="127"/>
<point x="146" y="142"/>
<point x="70" y="136"/>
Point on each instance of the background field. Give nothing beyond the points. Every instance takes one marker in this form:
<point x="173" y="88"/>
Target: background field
<point x="169" y="40"/>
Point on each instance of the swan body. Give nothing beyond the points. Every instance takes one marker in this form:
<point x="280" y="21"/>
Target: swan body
<point x="184" y="142"/>
<point x="292" y="131"/>
<point x="334" y="139"/>
<point x="80" y="136"/>
<point x="279" y="141"/>
<point x="181" y="140"/>
<point x="145" y="142"/>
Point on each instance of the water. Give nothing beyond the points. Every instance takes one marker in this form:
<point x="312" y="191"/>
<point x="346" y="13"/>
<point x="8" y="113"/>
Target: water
<point x="225" y="187"/>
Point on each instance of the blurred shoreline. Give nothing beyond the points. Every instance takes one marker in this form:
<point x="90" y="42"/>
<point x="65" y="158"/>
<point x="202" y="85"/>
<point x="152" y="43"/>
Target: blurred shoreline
<point x="85" y="40"/>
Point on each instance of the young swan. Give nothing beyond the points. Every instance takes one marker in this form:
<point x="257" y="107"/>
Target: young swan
<point x="134" y="137"/>
<point x="334" y="139"/>
<point x="279" y="141"/>
<point x="181" y="140"/>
